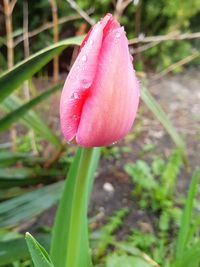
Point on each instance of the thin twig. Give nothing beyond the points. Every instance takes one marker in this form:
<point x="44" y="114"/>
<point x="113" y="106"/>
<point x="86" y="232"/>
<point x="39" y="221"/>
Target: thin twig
<point x="48" y="26"/>
<point x="144" y="47"/>
<point x="12" y="5"/>
<point x="9" y="32"/>
<point x="54" y="11"/>
<point x="81" y="12"/>
<point x="57" y="154"/>
<point x="168" y="37"/>
<point x="8" y="9"/>
<point x="176" y="65"/>
<point x="120" y="7"/>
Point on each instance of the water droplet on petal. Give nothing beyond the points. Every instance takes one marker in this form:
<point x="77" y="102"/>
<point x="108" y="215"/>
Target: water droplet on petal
<point x="86" y="83"/>
<point x="75" y="117"/>
<point x="84" y="58"/>
<point x="117" y="35"/>
<point x="74" y="96"/>
<point x="78" y="67"/>
<point x="114" y="143"/>
<point x="91" y="42"/>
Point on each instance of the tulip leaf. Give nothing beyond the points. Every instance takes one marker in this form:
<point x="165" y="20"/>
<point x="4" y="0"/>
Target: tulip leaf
<point x="6" y="121"/>
<point x="39" y="255"/>
<point x="10" y="177"/>
<point x="31" y="120"/>
<point x="71" y="248"/>
<point x="8" y="158"/>
<point x="12" y="79"/>
<point x="21" y="208"/>
<point x="15" y="248"/>
<point x="159" y="113"/>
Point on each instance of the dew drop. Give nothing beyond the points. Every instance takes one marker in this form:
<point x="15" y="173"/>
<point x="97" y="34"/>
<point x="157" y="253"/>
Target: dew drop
<point x="78" y="67"/>
<point x="74" y="96"/>
<point x="84" y="58"/>
<point x="75" y="117"/>
<point x="91" y="42"/>
<point x="86" y="83"/>
<point x="117" y="35"/>
<point x="114" y="143"/>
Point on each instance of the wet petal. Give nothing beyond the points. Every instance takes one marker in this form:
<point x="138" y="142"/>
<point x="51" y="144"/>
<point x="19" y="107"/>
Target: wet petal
<point x="110" y="108"/>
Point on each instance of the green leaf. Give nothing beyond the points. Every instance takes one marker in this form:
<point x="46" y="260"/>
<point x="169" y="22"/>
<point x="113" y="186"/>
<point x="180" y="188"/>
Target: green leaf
<point x="39" y="255"/>
<point x="71" y="248"/>
<point x="6" y="121"/>
<point x="172" y="169"/>
<point x="8" y="158"/>
<point x="187" y="216"/>
<point x="190" y="257"/>
<point x="10" y="177"/>
<point x="12" y="79"/>
<point x="159" y="113"/>
<point x="125" y="261"/>
<point x="21" y="208"/>
<point x="16" y="249"/>
<point x="31" y="120"/>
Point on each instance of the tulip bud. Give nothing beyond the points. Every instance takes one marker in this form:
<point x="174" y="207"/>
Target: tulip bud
<point x="100" y="97"/>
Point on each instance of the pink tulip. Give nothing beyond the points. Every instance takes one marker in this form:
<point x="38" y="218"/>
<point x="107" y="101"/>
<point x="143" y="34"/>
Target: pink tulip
<point x="100" y="97"/>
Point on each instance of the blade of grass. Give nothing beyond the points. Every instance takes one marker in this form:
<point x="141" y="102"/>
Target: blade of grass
<point x="31" y="120"/>
<point x="159" y="113"/>
<point x="6" y="121"/>
<point x="39" y="255"/>
<point x="11" y="177"/>
<point x="190" y="257"/>
<point x="16" y="249"/>
<point x="21" y="208"/>
<point x="9" y="158"/>
<point x="171" y="171"/>
<point x="12" y="79"/>
<point x="187" y="216"/>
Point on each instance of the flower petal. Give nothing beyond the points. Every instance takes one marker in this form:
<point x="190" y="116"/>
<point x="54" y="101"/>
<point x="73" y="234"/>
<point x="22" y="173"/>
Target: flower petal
<point x="110" y="108"/>
<point x="78" y="82"/>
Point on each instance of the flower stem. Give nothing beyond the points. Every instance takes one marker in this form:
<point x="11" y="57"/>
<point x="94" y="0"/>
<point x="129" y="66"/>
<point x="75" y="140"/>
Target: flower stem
<point x="70" y="245"/>
<point x="81" y="191"/>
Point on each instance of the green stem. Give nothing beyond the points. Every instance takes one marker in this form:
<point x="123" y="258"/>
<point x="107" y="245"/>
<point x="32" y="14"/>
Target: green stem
<point x="70" y="245"/>
<point x="79" y="213"/>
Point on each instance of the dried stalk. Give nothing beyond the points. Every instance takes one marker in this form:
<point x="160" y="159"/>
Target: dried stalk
<point x="48" y="26"/>
<point x="177" y="64"/>
<point x="8" y="9"/>
<point x="81" y="12"/>
<point x="168" y="37"/>
<point x="121" y="5"/>
<point x="54" y="11"/>
<point x="144" y="47"/>
<point x="26" y="83"/>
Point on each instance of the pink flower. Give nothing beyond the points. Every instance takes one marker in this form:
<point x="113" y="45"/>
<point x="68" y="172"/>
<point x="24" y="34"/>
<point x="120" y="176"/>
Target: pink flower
<point x="100" y="97"/>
